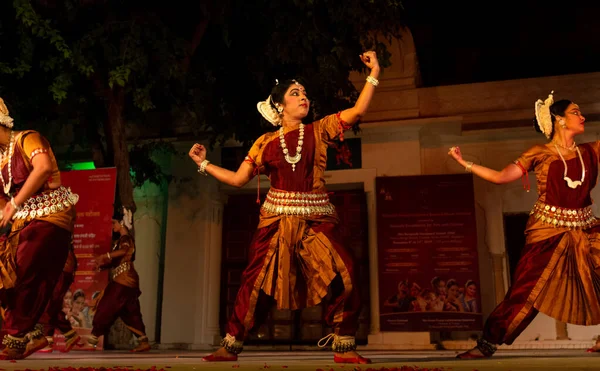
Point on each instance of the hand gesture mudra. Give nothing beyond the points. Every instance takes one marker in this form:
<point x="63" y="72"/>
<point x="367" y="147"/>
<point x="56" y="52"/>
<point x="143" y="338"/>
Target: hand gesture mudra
<point x="100" y="261"/>
<point x="7" y="214"/>
<point x="455" y="153"/>
<point x="198" y="153"/>
<point x="369" y="59"/>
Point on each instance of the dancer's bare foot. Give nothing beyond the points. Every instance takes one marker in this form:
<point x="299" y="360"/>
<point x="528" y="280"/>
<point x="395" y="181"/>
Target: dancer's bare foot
<point x="142" y="347"/>
<point x="221" y="355"/>
<point x="472" y="354"/>
<point x="50" y="347"/>
<point x="34" y="345"/>
<point x="350" y="357"/>
<point x="595" y="348"/>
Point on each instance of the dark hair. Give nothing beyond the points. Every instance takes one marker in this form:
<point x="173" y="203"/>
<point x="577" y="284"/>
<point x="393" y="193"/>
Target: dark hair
<point x="558" y="108"/>
<point x="469" y="283"/>
<point x="435" y="281"/>
<point x="78" y="293"/>
<point x="451" y="282"/>
<point x="278" y="91"/>
<point x="118" y="212"/>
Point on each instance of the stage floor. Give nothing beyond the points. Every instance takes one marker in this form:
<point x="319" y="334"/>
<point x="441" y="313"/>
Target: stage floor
<point x="295" y="361"/>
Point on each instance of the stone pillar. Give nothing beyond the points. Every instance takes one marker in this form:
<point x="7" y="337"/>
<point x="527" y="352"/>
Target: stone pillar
<point x="190" y="307"/>
<point x="373" y="262"/>
<point x="208" y="280"/>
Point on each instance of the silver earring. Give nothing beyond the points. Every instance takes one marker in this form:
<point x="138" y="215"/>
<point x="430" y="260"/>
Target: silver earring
<point x="562" y="124"/>
<point x="279" y="109"/>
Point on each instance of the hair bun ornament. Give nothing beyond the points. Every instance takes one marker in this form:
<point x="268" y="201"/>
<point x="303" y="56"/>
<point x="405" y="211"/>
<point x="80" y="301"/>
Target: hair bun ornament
<point x="5" y="119"/>
<point x="127" y="218"/>
<point x="543" y="115"/>
<point x="268" y="112"/>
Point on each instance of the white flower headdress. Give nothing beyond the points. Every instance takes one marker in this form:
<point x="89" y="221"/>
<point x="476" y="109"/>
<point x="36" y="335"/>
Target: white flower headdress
<point x="127" y="220"/>
<point x="543" y="115"/>
<point x="267" y="111"/>
<point x="5" y="119"/>
<point x="267" y="108"/>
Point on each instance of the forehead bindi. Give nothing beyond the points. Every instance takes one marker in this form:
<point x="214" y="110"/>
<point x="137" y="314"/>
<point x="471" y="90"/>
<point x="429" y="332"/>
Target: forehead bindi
<point x="296" y="89"/>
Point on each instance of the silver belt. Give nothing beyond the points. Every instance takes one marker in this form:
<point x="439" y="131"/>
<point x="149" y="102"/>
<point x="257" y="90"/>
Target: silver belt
<point x="297" y="203"/>
<point x="562" y="217"/>
<point x="121" y="268"/>
<point x="47" y="203"/>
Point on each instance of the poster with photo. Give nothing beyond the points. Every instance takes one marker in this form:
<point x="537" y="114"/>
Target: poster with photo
<point x="91" y="236"/>
<point x="427" y="253"/>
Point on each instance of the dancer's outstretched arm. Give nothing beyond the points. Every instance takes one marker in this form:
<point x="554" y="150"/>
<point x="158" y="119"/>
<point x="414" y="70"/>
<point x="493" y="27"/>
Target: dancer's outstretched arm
<point x="509" y="174"/>
<point x="238" y="179"/>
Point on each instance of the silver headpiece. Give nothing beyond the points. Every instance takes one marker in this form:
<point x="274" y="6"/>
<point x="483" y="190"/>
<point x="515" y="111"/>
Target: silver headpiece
<point x="543" y="115"/>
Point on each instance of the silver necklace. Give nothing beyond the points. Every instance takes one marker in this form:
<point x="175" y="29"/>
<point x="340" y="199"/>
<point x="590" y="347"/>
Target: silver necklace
<point x="570" y="148"/>
<point x="293" y="160"/>
<point x="570" y="182"/>
<point x="4" y="155"/>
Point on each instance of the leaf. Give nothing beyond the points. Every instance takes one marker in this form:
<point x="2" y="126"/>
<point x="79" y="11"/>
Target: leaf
<point x="241" y="49"/>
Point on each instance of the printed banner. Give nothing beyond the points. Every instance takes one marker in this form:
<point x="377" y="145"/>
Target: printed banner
<point x="427" y="253"/>
<point x="92" y="235"/>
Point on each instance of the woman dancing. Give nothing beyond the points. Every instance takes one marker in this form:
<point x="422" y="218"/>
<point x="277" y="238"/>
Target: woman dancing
<point x="296" y="255"/>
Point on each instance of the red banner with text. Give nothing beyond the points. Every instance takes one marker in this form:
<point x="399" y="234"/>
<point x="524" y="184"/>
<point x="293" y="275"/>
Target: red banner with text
<point x="427" y="253"/>
<point x="92" y="235"/>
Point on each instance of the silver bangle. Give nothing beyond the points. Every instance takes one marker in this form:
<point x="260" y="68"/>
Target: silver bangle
<point x="14" y="204"/>
<point x="372" y="80"/>
<point x="108" y="255"/>
<point x="469" y="166"/>
<point x="202" y="167"/>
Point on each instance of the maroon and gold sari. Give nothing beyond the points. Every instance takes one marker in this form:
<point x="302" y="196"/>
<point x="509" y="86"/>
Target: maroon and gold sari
<point x="556" y="274"/>
<point x="120" y="298"/>
<point x="294" y="258"/>
<point x="34" y="253"/>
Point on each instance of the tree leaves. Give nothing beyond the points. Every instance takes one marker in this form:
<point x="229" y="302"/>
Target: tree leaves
<point x="40" y="27"/>
<point x="60" y="87"/>
<point x="195" y="69"/>
<point x="120" y="76"/>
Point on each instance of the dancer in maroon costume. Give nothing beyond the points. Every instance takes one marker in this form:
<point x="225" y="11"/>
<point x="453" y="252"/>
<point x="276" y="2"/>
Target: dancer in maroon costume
<point x="296" y="254"/>
<point x="33" y="255"/>
<point x="121" y="296"/>
<point x="562" y="251"/>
